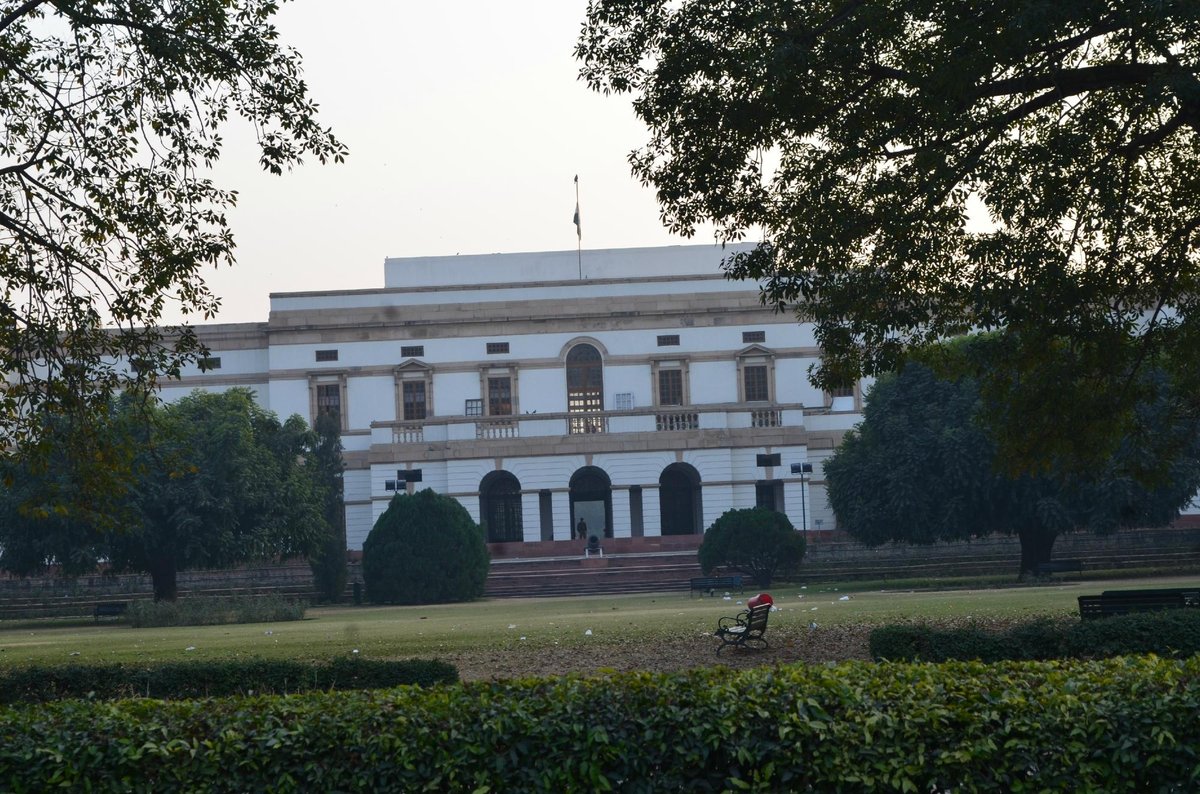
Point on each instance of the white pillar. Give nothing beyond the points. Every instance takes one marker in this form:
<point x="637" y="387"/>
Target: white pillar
<point x="531" y="517"/>
<point x="651" y="512"/>
<point x="561" y="501"/>
<point x="622" y="528"/>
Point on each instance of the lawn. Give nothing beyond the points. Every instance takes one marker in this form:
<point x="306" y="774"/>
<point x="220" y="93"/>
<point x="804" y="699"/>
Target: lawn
<point x="517" y="636"/>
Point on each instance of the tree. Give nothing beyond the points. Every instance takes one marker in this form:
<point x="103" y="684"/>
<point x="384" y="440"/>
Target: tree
<point x="113" y="112"/>
<point x="424" y="549"/>
<point x="755" y="541"/>
<point x="328" y="561"/>
<point x="922" y="168"/>
<point x="218" y="481"/>
<point x="921" y="469"/>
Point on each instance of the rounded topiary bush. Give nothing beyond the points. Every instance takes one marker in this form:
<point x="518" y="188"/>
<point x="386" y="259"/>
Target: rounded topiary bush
<point x="424" y="549"/>
<point x="758" y="542"/>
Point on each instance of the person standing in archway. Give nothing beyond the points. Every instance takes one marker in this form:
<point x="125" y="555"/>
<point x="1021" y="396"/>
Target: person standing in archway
<point x="581" y="529"/>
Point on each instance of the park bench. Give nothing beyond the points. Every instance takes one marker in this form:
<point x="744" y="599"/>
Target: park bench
<point x="746" y="630"/>
<point x="112" y="609"/>
<point x="710" y="584"/>
<point x="1124" y="602"/>
<point x="1057" y="566"/>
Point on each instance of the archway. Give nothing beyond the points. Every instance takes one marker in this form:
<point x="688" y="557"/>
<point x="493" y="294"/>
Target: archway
<point x="500" y="508"/>
<point x="591" y="502"/>
<point x="679" y="500"/>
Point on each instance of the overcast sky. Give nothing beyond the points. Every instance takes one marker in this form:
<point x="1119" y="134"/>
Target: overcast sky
<point x="466" y="125"/>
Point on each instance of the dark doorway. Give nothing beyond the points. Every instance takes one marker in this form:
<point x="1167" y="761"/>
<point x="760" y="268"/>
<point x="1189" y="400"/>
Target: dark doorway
<point x="679" y="501"/>
<point x="500" y="508"/>
<point x="591" y="500"/>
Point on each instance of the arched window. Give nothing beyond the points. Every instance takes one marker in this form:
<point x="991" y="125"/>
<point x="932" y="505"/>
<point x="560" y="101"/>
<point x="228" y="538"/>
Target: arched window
<point x="500" y="508"/>
<point x="585" y="388"/>
<point x="679" y="500"/>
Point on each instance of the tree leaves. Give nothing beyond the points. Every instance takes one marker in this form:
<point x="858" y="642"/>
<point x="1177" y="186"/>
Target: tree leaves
<point x="919" y="169"/>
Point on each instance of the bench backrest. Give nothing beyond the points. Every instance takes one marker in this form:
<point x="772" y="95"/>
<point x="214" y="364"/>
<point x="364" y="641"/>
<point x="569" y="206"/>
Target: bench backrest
<point x="756" y="619"/>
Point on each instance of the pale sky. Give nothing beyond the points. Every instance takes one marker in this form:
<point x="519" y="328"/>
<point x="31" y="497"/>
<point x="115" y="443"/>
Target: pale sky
<point x="466" y="125"/>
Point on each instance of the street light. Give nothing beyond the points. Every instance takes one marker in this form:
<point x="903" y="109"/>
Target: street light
<point x="803" y="469"/>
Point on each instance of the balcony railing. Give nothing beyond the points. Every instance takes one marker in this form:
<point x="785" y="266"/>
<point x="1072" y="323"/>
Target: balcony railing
<point x="497" y="428"/>
<point x="587" y="423"/>
<point x="765" y="417"/>
<point x="679" y="420"/>
<point x="452" y="429"/>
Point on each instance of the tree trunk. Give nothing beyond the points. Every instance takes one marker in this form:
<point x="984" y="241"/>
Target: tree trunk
<point x="1036" y="545"/>
<point x="162" y="574"/>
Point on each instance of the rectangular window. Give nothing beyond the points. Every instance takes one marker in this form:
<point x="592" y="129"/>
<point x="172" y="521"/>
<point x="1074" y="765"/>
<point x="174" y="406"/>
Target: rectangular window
<point x="499" y="396"/>
<point x="670" y="387"/>
<point x="842" y="391"/>
<point x="327" y="355"/>
<point x="623" y="401"/>
<point x="756" y="384"/>
<point x="414" y="400"/>
<point x="497" y="348"/>
<point x="668" y="340"/>
<point x="209" y="363"/>
<point x="473" y="408"/>
<point x="412" y="351"/>
<point x="749" y="337"/>
<point x="329" y="398"/>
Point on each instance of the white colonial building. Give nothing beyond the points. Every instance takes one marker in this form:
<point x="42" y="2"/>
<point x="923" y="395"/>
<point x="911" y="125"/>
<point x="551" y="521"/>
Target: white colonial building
<point x="636" y="390"/>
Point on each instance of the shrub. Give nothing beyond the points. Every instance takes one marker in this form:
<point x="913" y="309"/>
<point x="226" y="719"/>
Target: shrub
<point x="757" y="542"/>
<point x="214" y="611"/>
<point x="1170" y="633"/>
<point x="176" y="680"/>
<point x="424" y="549"/>
<point x="1117" y="725"/>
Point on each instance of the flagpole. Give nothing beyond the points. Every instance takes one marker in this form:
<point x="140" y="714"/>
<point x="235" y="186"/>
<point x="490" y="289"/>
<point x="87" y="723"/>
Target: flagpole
<point x="578" y="231"/>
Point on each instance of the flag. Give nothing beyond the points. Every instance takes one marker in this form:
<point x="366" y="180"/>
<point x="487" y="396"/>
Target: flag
<point x="575" y="220"/>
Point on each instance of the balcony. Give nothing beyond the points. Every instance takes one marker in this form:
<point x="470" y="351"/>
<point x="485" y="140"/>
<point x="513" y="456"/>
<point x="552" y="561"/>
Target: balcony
<point x="599" y="424"/>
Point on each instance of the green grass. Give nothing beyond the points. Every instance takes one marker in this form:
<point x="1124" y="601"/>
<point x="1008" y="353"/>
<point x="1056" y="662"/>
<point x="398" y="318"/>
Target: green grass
<point x="426" y="631"/>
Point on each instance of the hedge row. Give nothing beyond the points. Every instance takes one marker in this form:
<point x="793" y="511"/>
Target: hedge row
<point x="1127" y="724"/>
<point x="1172" y="633"/>
<point x="176" y="680"/>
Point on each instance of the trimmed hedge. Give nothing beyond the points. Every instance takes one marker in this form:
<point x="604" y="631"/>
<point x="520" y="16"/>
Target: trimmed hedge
<point x="1127" y="724"/>
<point x="175" y="680"/>
<point x="1172" y="633"/>
<point x="217" y="611"/>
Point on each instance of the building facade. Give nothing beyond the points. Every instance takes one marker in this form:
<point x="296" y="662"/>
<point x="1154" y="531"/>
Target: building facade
<point x="635" y="390"/>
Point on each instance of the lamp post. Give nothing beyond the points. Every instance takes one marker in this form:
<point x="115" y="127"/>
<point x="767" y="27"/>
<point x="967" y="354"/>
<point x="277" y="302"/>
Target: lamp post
<point x="803" y="469"/>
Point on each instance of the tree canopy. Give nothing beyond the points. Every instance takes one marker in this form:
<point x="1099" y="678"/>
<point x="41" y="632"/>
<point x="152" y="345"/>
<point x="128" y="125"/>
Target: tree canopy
<point x="112" y="117"/>
<point x="917" y="169"/>
<point x="217" y="481"/>
<point x="921" y="469"/>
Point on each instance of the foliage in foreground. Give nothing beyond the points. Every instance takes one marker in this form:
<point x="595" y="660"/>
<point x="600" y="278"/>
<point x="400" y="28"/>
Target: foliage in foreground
<point x="179" y="680"/>
<point x="1173" y="633"/>
<point x="213" y="611"/>
<point x="424" y="549"/>
<point x="864" y="727"/>
<point x="755" y="541"/>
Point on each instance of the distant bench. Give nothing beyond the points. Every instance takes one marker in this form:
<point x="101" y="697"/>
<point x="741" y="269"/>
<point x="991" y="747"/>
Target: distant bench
<point x="1124" y="602"/>
<point x="1057" y="566"/>
<point x="709" y="584"/>
<point x="113" y="609"/>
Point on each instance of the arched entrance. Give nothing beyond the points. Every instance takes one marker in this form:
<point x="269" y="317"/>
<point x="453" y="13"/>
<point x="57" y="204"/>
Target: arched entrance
<point x="591" y="501"/>
<point x="679" y="500"/>
<point x="500" y="508"/>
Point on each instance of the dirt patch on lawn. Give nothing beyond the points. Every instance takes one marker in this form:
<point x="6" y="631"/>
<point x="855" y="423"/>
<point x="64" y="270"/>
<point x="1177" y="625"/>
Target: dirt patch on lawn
<point x="833" y="644"/>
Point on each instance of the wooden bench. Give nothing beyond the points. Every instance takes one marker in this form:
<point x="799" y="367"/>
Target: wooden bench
<point x="1057" y="566"/>
<point x="1124" y="602"/>
<point x="746" y="630"/>
<point x="710" y="584"/>
<point x="113" y="609"/>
